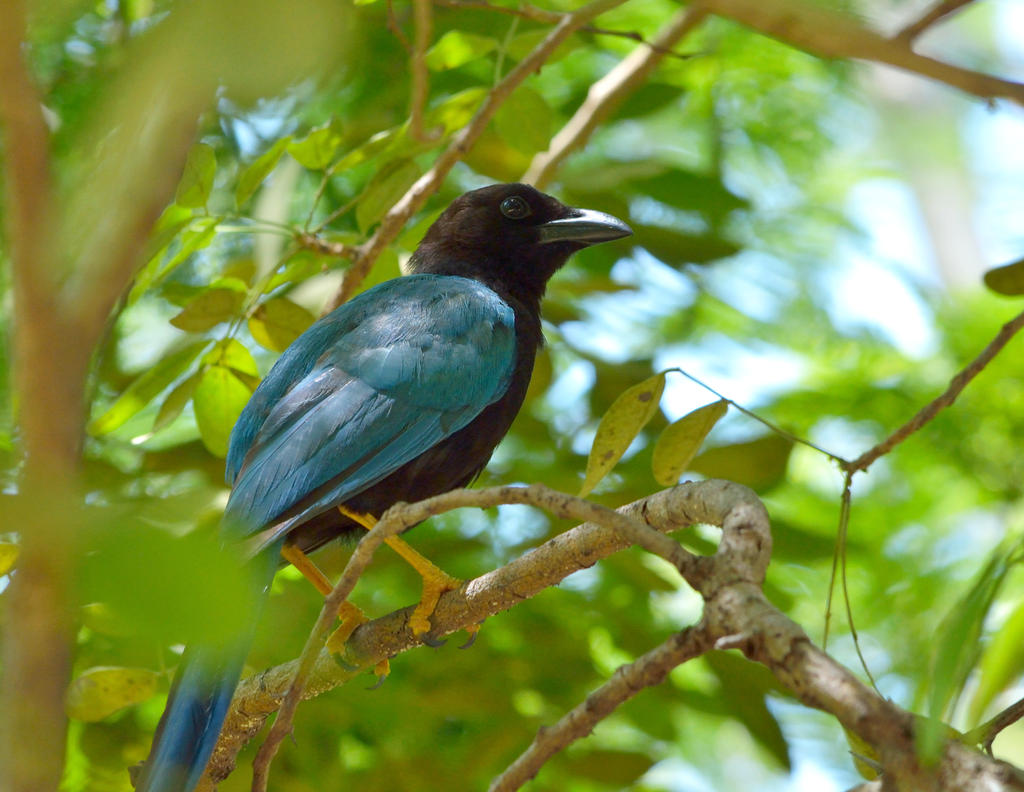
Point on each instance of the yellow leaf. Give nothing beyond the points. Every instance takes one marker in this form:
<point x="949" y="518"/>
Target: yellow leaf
<point x="620" y="425"/>
<point x="276" y="323"/>
<point x="863" y="755"/>
<point x="680" y="442"/>
<point x="103" y="690"/>
<point x="8" y="555"/>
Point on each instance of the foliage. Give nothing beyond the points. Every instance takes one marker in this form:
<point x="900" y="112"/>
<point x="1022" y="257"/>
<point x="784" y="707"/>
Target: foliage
<point x="735" y="166"/>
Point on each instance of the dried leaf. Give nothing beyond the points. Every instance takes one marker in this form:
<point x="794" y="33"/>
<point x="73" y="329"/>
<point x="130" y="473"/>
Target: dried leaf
<point x="620" y="425"/>
<point x="103" y="690"/>
<point x="680" y="442"/>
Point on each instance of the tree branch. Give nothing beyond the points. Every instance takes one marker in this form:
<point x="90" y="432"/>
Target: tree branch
<point x="605" y="96"/>
<point x="955" y="388"/>
<point x="418" y="67"/>
<point x="830" y="34"/>
<point x="938" y="11"/>
<point x="37" y="629"/>
<point x="260" y="695"/>
<point x="393" y="222"/>
<point x="985" y="734"/>
<point x="736" y="616"/>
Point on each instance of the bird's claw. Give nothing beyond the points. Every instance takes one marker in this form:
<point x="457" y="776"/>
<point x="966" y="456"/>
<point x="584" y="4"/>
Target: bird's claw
<point x="432" y="642"/>
<point x="474" y="631"/>
<point x="381" y="671"/>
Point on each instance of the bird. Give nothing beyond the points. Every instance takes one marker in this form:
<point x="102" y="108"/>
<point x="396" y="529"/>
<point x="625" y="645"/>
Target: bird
<point x="401" y="393"/>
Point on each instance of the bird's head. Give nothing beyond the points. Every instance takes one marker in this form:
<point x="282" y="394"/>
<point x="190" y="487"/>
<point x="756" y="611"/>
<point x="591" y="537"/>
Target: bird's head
<point x="510" y="235"/>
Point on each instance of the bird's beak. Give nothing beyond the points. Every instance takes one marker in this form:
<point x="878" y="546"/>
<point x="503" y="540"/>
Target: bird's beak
<point x="585" y="227"/>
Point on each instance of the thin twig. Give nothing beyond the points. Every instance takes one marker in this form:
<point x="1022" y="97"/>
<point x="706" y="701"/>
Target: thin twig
<point x="955" y="388"/>
<point x="831" y="34"/>
<point x="608" y="93"/>
<point x="393" y="222"/>
<point x="320" y="245"/>
<point x="938" y="11"/>
<point x="628" y="680"/>
<point x="396" y="29"/>
<point x="763" y="421"/>
<point x="841" y="533"/>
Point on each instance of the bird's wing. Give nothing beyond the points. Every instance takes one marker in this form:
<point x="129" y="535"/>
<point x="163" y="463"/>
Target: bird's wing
<point x="402" y="367"/>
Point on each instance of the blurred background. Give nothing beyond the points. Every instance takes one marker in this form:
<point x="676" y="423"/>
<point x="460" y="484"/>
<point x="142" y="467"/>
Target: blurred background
<point x="810" y="240"/>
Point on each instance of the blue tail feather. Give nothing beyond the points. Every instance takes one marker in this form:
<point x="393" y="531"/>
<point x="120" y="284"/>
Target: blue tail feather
<point x="199" y="699"/>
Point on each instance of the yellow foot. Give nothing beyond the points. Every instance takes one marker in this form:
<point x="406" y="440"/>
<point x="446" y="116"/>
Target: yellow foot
<point x="350" y="617"/>
<point x="435" y="580"/>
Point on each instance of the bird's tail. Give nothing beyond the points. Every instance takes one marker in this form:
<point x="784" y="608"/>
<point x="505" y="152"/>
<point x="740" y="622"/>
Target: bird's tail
<point x="199" y="700"/>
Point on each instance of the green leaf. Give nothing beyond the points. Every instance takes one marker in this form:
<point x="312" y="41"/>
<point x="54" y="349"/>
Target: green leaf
<point x="146" y="388"/>
<point x="172" y="220"/>
<point x="197" y="180"/>
<point x="457" y="47"/>
<point x="455" y="111"/>
<point x="677" y="248"/>
<point x="200" y="233"/>
<point x="175" y="402"/>
<point x="628" y="414"/>
<point x="231" y="353"/>
<point x="1001" y="663"/>
<point x="252" y="177"/>
<point x="209" y="309"/>
<point x="218" y="400"/>
<point x="530" y="137"/>
<point x="8" y="556"/>
<point x="300" y="267"/>
<point x="955" y="653"/>
<point x="611" y="768"/>
<point x="1007" y="279"/>
<point x="680" y="442"/>
<point x="317" y="150"/>
<point x="103" y="690"/>
<point x="276" y="323"/>
<point x="385" y="188"/>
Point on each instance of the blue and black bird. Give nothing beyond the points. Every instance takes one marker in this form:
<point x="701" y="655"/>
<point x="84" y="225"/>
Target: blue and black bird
<point x="399" y="394"/>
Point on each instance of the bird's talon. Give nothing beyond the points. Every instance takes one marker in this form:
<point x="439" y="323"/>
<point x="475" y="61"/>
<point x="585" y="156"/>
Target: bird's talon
<point x="474" y="631"/>
<point x="381" y="671"/>
<point x="433" y="643"/>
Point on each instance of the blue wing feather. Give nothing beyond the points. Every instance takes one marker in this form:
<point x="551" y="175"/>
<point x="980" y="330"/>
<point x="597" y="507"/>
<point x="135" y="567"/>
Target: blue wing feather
<point x="365" y="390"/>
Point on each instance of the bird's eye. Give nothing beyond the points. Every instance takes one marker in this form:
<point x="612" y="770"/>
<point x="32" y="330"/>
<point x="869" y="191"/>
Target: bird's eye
<point x="515" y="208"/>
